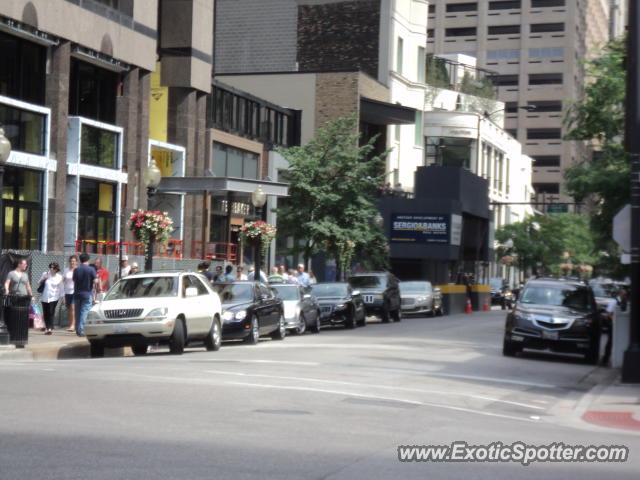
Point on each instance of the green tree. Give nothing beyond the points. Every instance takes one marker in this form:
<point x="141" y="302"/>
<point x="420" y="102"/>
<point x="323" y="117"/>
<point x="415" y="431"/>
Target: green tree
<point x="599" y="119"/>
<point x="332" y="184"/>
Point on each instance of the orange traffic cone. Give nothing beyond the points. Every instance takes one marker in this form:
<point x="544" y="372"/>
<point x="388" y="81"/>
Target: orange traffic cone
<point x="486" y="307"/>
<point x="468" y="309"/>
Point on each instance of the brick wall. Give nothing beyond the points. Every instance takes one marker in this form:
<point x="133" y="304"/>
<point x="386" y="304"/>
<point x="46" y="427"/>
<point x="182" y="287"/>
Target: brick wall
<point x="339" y="36"/>
<point x="336" y="96"/>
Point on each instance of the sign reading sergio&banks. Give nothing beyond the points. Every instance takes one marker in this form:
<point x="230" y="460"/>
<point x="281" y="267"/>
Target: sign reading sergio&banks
<point x="410" y="228"/>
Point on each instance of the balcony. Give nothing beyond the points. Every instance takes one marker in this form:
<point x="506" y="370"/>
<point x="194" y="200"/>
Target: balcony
<point x="451" y="75"/>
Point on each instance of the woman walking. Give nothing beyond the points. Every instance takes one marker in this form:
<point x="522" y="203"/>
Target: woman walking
<point x="68" y="292"/>
<point x="53" y="290"/>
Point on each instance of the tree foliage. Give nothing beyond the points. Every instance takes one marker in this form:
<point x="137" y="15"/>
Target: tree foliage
<point x="541" y="242"/>
<point x="332" y="183"/>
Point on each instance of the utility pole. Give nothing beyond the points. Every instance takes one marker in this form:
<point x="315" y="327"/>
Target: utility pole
<point x="631" y="363"/>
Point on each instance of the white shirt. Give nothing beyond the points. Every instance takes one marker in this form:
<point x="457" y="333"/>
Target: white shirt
<point x="68" y="281"/>
<point x="611" y="306"/>
<point x="53" y="287"/>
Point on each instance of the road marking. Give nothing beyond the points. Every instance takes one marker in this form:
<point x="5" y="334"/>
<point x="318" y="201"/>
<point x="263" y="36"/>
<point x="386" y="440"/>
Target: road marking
<point x="277" y="362"/>
<point x="384" y="387"/>
<point x="393" y="399"/>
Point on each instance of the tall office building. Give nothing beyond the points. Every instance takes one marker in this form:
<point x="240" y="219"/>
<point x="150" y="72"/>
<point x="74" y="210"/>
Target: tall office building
<point x="536" y="47"/>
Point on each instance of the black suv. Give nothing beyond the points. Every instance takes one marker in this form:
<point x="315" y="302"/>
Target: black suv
<point x="381" y="294"/>
<point x="560" y="315"/>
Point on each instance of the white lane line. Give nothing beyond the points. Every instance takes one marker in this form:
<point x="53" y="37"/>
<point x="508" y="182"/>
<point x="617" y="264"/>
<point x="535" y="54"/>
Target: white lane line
<point x="277" y="362"/>
<point x="376" y="397"/>
<point x="382" y="387"/>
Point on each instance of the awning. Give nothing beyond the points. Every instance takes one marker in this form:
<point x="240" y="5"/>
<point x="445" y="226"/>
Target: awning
<point x="384" y="113"/>
<point x="195" y="185"/>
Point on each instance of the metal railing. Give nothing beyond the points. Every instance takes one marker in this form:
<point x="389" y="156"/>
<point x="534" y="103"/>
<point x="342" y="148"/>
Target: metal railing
<point x="227" y="252"/>
<point x="172" y="249"/>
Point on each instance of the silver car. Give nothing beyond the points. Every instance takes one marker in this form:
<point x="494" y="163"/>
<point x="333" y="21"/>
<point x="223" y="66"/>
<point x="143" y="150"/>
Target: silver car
<point x="301" y="310"/>
<point x="419" y="297"/>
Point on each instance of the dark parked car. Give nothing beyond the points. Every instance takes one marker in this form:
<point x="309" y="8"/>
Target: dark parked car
<point x="420" y="297"/>
<point x="560" y="315"/>
<point x="501" y="294"/>
<point x="249" y="310"/>
<point x="339" y="304"/>
<point x="381" y="294"/>
<point x="301" y="309"/>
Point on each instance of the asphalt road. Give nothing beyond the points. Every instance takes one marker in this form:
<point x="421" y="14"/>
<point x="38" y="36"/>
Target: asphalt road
<point x="329" y="406"/>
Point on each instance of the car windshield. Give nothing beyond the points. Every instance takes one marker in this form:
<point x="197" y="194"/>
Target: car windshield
<point x="234" y="292"/>
<point x="495" y="283"/>
<point x="372" y="281"/>
<point x="414" y="287"/>
<point x="321" y="290"/>
<point x="577" y="298"/>
<point x="140" y="287"/>
<point x="287" y="292"/>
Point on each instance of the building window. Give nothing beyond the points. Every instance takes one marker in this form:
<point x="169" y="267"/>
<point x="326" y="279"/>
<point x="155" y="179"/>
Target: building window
<point x="547" y="188"/>
<point x="22" y="208"/>
<point x="548" y="52"/>
<point x="462" y="7"/>
<point x="399" y="53"/>
<point x="422" y="64"/>
<point x="232" y="162"/>
<point x="505" y="5"/>
<point x="123" y="6"/>
<point x="92" y="92"/>
<point x="419" y="129"/>
<point x="546" y="106"/>
<point x="460" y="32"/>
<point x="513" y="132"/>
<point x="544" y="134"/>
<point x="503" y="29"/>
<point x="546" y="161"/>
<point x="503" y="54"/>
<point x="545" y="78"/>
<point x="505" y="80"/>
<point x="97" y="215"/>
<point x="547" y="27"/>
<point x="432" y="9"/>
<point x="23" y="71"/>
<point x="511" y="107"/>
<point x="547" y="3"/>
<point x="449" y="151"/>
<point x="24" y="129"/>
<point x="99" y="147"/>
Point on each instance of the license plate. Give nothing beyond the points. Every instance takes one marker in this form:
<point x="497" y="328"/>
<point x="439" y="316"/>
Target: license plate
<point x="549" y="335"/>
<point x="120" y="330"/>
<point x="367" y="298"/>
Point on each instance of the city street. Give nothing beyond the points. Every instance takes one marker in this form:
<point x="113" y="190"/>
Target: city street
<point x="329" y="406"/>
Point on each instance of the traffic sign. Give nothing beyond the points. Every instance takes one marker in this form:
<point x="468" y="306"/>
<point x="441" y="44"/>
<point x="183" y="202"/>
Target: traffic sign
<point x="622" y="228"/>
<point x="557" y="208"/>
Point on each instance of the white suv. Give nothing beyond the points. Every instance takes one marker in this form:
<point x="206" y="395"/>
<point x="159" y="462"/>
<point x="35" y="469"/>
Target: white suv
<point x="152" y="308"/>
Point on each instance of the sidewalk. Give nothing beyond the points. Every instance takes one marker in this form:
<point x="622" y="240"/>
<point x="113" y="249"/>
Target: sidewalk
<point x="60" y="345"/>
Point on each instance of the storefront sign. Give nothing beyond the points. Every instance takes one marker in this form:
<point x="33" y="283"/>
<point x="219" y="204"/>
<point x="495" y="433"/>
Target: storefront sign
<point x="408" y="228"/>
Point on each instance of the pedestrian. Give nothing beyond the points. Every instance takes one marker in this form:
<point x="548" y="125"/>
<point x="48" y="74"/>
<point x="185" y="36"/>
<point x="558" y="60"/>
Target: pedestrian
<point x="53" y="289"/>
<point x="292" y="278"/>
<point x="134" y="268"/>
<point x="302" y="276"/>
<point x="262" y="277"/>
<point x="282" y="270"/>
<point x="17" y="282"/>
<point x="275" y="276"/>
<point x="621" y="299"/>
<point x="240" y="275"/>
<point x="228" y="274"/>
<point x="312" y="278"/>
<point x="607" y="328"/>
<point x="84" y="281"/>
<point x="124" y="269"/>
<point x="103" y="276"/>
<point x="219" y="276"/>
<point x="68" y="292"/>
<point x="203" y="268"/>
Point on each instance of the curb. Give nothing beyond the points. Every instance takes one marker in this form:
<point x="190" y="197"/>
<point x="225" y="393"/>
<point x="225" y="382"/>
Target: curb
<point x="58" y="351"/>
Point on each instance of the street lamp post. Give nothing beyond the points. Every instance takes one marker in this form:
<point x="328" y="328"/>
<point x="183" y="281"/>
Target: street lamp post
<point x="258" y="199"/>
<point x="151" y="178"/>
<point x="5" y="151"/>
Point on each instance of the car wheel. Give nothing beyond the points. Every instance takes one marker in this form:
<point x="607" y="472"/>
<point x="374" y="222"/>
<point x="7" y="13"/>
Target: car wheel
<point x="384" y="316"/>
<point x="96" y="350"/>
<point x="139" y="349"/>
<point x="593" y="355"/>
<point x="316" y="326"/>
<point x="303" y="325"/>
<point x="281" y="332"/>
<point x="397" y="315"/>
<point x="176" y="341"/>
<point x="363" y="321"/>
<point x="254" y="334"/>
<point x="214" y="337"/>
<point x="509" y="349"/>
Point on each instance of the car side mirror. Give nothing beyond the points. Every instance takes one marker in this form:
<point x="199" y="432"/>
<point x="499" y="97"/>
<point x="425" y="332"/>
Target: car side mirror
<point x="191" y="292"/>
<point x="355" y="292"/>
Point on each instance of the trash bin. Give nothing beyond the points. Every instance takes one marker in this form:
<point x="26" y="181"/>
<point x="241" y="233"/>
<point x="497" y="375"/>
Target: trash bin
<point x="16" y="318"/>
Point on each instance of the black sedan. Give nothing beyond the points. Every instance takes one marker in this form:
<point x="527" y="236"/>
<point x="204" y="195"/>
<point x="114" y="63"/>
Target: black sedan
<point x="249" y="310"/>
<point x="339" y="304"/>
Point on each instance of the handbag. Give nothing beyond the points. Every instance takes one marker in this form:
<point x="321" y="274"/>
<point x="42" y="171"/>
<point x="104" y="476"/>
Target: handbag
<point x="35" y="315"/>
<point x="41" y="286"/>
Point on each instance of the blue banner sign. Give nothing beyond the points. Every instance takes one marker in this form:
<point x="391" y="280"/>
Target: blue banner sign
<point x="409" y="228"/>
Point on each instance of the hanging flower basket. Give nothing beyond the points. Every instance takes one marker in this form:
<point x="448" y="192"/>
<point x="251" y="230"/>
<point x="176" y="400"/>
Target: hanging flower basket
<point x="509" y="260"/>
<point x="258" y="234"/>
<point x="151" y="226"/>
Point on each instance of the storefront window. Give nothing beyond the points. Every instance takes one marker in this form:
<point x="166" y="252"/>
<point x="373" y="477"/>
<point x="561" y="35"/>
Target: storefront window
<point x="22" y="195"/>
<point x="22" y="75"/>
<point x="99" y="147"/>
<point x="25" y="130"/>
<point x="96" y="220"/>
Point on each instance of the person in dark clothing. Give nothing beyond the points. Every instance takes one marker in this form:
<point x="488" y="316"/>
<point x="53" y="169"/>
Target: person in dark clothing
<point x="203" y="268"/>
<point x="84" y="280"/>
